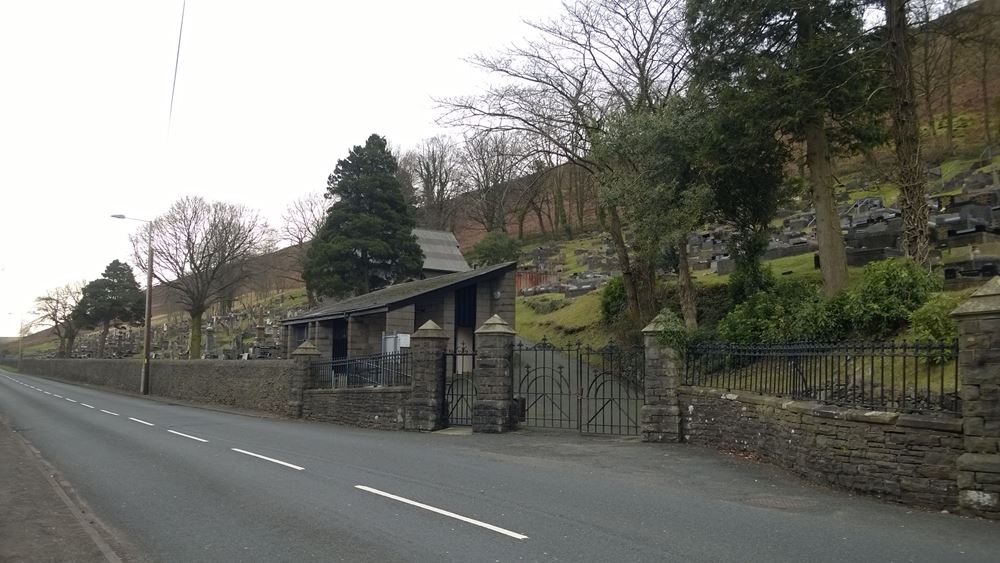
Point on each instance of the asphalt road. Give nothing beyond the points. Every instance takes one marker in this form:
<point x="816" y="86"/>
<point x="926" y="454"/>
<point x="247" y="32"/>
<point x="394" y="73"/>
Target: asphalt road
<point x="185" y="484"/>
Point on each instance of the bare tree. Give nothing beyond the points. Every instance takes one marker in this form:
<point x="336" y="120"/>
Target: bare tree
<point x="202" y="252"/>
<point x="493" y="169"/>
<point x="301" y="222"/>
<point x="932" y="55"/>
<point x="57" y="309"/>
<point x="981" y="36"/>
<point x="435" y="167"/>
<point x="621" y="56"/>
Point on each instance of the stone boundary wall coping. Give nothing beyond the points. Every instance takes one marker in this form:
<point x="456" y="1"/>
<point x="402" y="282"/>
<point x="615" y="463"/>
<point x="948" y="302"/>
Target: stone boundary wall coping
<point x="941" y="423"/>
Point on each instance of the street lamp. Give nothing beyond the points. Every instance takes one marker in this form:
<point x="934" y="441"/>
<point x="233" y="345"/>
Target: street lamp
<point x="147" y="336"/>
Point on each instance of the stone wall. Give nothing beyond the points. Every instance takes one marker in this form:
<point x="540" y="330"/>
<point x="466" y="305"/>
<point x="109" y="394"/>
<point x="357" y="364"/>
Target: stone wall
<point x="979" y="363"/>
<point x="905" y="458"/>
<point x="120" y="375"/>
<point x="257" y="385"/>
<point x="367" y="407"/>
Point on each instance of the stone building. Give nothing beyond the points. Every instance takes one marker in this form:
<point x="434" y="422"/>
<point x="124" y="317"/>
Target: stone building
<point x="458" y="302"/>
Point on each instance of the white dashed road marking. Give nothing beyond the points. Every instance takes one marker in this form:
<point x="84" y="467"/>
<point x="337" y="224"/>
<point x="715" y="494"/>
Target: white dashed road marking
<point x="86" y="405"/>
<point x="109" y="412"/>
<point x="271" y="459"/>
<point x="70" y="400"/>
<point x="496" y="529"/>
<point x="187" y="435"/>
<point x="142" y="421"/>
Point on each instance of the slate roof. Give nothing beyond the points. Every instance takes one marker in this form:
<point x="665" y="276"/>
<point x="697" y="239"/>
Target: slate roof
<point x="397" y="294"/>
<point x="441" y="251"/>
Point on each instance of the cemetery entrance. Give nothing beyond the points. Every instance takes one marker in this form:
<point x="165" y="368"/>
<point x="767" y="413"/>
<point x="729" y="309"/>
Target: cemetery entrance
<point x="595" y="391"/>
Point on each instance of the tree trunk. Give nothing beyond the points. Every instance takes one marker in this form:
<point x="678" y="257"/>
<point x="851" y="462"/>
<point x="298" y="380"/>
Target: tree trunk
<point x="949" y="109"/>
<point x="102" y="340"/>
<point x="70" y="343"/>
<point x="832" y="256"/>
<point x="538" y="215"/>
<point x="560" y="204"/>
<point x="685" y="286"/>
<point x="928" y="79"/>
<point x="984" y="85"/>
<point x="632" y="299"/>
<point x="194" y="343"/>
<point x="910" y="174"/>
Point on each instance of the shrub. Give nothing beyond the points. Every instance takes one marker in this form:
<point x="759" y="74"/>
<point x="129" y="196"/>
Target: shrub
<point x="792" y="310"/>
<point x="676" y="334"/>
<point x="890" y="290"/>
<point x="495" y="248"/>
<point x="613" y="302"/>
<point x="713" y="302"/>
<point x="932" y="321"/>
<point x="780" y="314"/>
<point x="545" y="305"/>
<point x="749" y="279"/>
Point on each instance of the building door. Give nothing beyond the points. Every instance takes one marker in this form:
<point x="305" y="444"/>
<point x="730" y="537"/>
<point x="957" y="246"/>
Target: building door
<point x="338" y="338"/>
<point x="465" y="318"/>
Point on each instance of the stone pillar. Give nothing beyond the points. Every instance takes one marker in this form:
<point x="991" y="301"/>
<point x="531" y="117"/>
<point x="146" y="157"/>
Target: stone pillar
<point x="979" y="371"/>
<point x="493" y="378"/>
<point x="423" y="408"/>
<point x="301" y="377"/>
<point x="659" y="417"/>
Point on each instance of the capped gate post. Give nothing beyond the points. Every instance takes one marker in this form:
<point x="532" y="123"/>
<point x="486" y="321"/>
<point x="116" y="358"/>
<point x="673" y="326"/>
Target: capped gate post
<point x="494" y="378"/>
<point x="979" y="368"/>
<point x="423" y="408"/>
<point x="301" y="376"/>
<point x="659" y="417"/>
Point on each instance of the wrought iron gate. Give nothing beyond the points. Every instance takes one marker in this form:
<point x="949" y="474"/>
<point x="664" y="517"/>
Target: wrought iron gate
<point x="596" y="391"/>
<point x="460" y="387"/>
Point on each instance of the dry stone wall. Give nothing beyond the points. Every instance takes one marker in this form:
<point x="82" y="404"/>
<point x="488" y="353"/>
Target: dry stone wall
<point x="366" y="407"/>
<point x="257" y="385"/>
<point x="905" y="458"/>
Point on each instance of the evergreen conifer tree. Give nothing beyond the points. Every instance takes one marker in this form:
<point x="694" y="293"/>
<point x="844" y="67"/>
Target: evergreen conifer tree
<point x="366" y="242"/>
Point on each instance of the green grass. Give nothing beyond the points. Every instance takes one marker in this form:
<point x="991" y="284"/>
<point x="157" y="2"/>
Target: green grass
<point x="888" y="192"/>
<point x="572" y="263"/>
<point x="577" y="322"/>
<point x="951" y="168"/>
<point x="799" y="267"/>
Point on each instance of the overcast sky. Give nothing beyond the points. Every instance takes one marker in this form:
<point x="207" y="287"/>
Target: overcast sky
<point x="269" y="96"/>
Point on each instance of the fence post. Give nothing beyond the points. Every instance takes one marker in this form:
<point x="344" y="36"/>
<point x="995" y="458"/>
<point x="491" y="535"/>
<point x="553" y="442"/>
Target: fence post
<point x="660" y="414"/>
<point x="423" y="408"/>
<point x="303" y="357"/>
<point x="493" y="378"/>
<point x="979" y="367"/>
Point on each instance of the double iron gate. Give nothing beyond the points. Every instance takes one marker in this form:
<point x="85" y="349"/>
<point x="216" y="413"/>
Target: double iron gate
<point x="594" y="391"/>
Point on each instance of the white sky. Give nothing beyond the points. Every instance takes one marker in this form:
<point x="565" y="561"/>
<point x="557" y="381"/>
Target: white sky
<point x="269" y="96"/>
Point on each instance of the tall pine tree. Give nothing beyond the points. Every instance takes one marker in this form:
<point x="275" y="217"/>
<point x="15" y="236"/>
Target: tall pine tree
<point x="115" y="297"/>
<point x="367" y="241"/>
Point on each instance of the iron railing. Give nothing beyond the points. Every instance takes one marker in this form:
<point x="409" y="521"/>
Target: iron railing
<point x="377" y="370"/>
<point x="897" y="376"/>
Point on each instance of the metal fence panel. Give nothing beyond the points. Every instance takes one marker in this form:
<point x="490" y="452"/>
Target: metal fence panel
<point x="898" y="376"/>
<point x="376" y="370"/>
